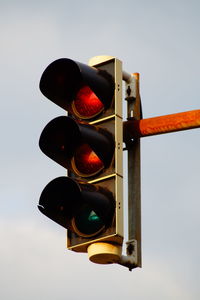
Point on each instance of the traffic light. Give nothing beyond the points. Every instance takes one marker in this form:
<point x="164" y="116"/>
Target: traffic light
<point x="88" y="143"/>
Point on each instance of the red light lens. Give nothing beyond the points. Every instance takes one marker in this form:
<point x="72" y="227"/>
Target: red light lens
<point x="86" y="162"/>
<point x="87" y="105"/>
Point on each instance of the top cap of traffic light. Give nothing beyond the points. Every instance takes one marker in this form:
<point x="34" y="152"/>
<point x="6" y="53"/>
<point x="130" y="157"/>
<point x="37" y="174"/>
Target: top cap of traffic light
<point x="80" y="89"/>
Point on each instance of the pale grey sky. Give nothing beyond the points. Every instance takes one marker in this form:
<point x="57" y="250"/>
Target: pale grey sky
<point x="158" y="39"/>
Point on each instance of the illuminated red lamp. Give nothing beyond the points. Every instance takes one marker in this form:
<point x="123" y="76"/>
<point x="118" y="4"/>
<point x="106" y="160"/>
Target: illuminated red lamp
<point x="79" y="147"/>
<point x="86" y="105"/>
<point x="86" y="162"/>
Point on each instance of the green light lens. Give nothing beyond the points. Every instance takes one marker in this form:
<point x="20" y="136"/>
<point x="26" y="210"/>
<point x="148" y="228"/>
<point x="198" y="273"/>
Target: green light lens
<point x="87" y="223"/>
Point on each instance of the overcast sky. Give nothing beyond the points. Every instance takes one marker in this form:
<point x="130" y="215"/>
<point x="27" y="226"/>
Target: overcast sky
<point x="160" y="40"/>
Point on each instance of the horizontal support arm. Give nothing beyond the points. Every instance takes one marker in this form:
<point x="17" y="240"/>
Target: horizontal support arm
<point x="159" y="125"/>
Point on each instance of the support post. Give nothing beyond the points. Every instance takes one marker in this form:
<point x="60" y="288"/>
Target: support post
<point x="133" y="258"/>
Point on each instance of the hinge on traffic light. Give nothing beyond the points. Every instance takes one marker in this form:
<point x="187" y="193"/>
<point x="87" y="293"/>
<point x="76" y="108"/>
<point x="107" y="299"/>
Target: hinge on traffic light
<point x="129" y="144"/>
<point x="132" y="93"/>
<point x="131" y="88"/>
<point x="130" y="260"/>
<point x="130" y="96"/>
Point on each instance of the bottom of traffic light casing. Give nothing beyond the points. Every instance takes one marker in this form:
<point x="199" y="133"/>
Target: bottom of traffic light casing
<point x="104" y="253"/>
<point x="83" y="247"/>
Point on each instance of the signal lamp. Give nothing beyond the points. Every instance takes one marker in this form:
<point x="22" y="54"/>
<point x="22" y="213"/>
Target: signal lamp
<point x="86" y="162"/>
<point x="86" y="105"/>
<point x="82" y="148"/>
<point x="85" y="209"/>
<point x="80" y="89"/>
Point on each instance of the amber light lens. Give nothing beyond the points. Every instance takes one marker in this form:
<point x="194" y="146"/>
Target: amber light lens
<point x="85" y="161"/>
<point x="86" y="104"/>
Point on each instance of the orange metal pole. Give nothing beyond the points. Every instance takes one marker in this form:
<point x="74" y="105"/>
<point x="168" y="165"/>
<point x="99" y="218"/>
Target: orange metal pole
<point x="163" y="124"/>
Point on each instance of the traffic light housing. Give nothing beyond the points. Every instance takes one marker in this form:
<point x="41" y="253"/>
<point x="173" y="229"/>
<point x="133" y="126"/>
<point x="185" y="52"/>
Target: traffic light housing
<point x="88" y="143"/>
<point x="82" y="90"/>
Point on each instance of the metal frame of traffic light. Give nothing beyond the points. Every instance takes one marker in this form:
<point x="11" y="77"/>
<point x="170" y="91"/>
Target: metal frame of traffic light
<point x="107" y="248"/>
<point x="133" y="258"/>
